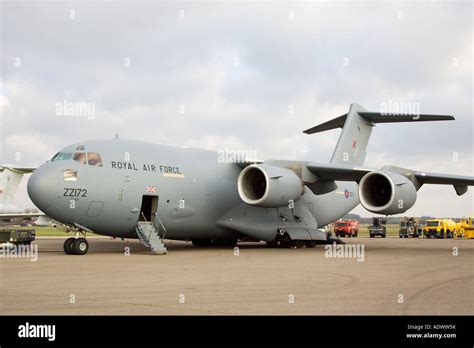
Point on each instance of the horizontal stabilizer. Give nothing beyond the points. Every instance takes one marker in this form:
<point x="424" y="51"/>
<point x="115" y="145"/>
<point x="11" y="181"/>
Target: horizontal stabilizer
<point x="337" y="122"/>
<point x="377" y="117"/>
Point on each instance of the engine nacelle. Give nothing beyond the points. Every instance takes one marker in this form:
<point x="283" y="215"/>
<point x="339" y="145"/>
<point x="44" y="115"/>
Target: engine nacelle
<point x="387" y="193"/>
<point x="269" y="186"/>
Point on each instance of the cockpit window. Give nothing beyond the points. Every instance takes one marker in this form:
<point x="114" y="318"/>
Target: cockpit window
<point x="61" y="156"/>
<point x="94" y="159"/>
<point x="80" y="157"/>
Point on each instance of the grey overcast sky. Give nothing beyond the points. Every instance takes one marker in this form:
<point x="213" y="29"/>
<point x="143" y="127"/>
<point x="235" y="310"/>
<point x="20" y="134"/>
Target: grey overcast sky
<point x="243" y="76"/>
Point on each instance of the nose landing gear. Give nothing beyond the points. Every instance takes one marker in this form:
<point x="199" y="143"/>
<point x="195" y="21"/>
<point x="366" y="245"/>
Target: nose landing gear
<point x="76" y="246"/>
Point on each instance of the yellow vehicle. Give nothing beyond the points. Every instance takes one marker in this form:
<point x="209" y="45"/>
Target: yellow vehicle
<point x="439" y="228"/>
<point x="465" y="229"/>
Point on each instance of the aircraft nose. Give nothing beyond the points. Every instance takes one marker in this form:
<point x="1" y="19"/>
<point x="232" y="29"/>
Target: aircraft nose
<point x="42" y="186"/>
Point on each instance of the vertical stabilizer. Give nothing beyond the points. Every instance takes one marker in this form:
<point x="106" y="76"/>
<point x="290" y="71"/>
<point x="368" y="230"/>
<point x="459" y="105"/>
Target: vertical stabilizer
<point x="351" y="147"/>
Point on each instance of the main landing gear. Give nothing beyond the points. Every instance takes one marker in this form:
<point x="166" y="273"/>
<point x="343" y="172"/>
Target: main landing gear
<point x="230" y="243"/>
<point x="294" y="244"/>
<point x="283" y="240"/>
<point x="76" y="246"/>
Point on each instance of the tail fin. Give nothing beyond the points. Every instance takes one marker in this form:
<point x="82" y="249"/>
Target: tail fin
<point x="357" y="127"/>
<point x="10" y="178"/>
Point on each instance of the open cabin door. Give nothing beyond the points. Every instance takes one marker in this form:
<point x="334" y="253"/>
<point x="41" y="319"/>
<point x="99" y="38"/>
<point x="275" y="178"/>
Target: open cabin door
<point x="148" y="208"/>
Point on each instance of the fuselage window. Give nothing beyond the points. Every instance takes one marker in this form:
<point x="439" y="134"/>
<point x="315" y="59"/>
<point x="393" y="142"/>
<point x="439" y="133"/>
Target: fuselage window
<point x="80" y="157"/>
<point x="94" y="159"/>
<point x="62" y="156"/>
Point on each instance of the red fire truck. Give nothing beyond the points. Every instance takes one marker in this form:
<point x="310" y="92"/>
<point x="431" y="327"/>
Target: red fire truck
<point x="343" y="228"/>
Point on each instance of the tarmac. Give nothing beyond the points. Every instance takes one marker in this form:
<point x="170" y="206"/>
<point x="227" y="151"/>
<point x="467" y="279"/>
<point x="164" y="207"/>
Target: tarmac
<point x="392" y="276"/>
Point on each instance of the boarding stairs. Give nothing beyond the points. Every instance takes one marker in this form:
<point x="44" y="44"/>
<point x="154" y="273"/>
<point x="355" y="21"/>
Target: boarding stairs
<point x="149" y="236"/>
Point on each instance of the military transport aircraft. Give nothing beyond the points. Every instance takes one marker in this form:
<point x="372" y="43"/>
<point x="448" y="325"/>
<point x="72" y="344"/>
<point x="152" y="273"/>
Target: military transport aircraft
<point x="132" y="189"/>
<point x="10" y="178"/>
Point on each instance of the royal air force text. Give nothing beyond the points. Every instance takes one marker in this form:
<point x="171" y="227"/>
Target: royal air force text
<point x="145" y="167"/>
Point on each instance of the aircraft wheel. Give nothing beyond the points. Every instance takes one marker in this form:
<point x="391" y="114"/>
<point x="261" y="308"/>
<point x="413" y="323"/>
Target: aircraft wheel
<point x="68" y="246"/>
<point x="298" y="244"/>
<point x="284" y="244"/>
<point x="80" y="246"/>
<point x="272" y="244"/>
<point x="232" y="243"/>
<point x="202" y="242"/>
<point x="310" y="243"/>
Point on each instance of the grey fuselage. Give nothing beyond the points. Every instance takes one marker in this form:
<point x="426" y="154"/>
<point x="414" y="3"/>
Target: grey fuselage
<point x="193" y="187"/>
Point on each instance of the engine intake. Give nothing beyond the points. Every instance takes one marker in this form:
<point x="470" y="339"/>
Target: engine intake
<point x="386" y="193"/>
<point x="268" y="186"/>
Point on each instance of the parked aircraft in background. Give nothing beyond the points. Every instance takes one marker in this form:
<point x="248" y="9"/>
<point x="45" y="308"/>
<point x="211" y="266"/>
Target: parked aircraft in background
<point x="10" y="178"/>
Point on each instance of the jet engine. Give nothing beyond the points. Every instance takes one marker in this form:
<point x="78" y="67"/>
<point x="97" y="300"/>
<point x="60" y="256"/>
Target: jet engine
<point x="387" y="193"/>
<point x="269" y="186"/>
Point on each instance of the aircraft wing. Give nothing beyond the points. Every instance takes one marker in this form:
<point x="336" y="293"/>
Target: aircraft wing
<point x="459" y="182"/>
<point x="17" y="169"/>
<point x="338" y="172"/>
<point x="20" y="215"/>
<point x="247" y="162"/>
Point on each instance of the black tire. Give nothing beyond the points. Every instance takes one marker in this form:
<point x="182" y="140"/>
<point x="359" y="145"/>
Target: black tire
<point x="384" y="235"/>
<point x="311" y="243"/>
<point x="272" y="244"/>
<point x="80" y="246"/>
<point x="230" y="243"/>
<point x="202" y="242"/>
<point x="284" y="244"/>
<point x="299" y="244"/>
<point x="68" y="246"/>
